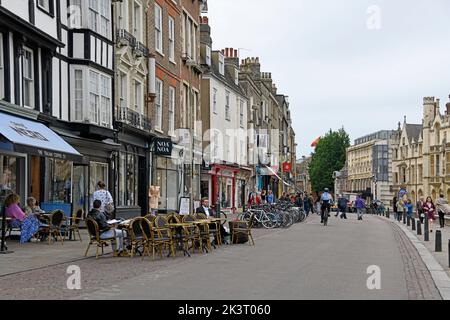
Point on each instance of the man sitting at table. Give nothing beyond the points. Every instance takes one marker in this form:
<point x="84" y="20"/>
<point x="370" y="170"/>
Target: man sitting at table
<point x="205" y="209"/>
<point x="106" y="231"/>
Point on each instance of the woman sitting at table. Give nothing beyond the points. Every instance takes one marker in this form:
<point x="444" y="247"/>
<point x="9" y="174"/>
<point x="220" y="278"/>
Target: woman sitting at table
<point x="106" y="231"/>
<point x="28" y="224"/>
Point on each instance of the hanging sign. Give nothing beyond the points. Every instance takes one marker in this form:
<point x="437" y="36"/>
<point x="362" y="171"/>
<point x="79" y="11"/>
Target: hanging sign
<point x="163" y="147"/>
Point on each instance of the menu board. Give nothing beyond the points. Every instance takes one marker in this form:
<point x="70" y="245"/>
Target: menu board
<point x="185" y="206"/>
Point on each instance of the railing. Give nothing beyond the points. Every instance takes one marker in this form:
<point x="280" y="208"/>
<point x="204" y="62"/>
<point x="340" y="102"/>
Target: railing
<point x="133" y="118"/>
<point x="125" y="38"/>
<point x="141" y="50"/>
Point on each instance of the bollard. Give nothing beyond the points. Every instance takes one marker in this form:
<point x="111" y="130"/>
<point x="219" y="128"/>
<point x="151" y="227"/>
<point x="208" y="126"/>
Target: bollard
<point x="408" y="221"/>
<point x="449" y="253"/>
<point x="438" y="242"/>
<point x="419" y="228"/>
<point x="387" y="214"/>
<point x="404" y="216"/>
<point x="413" y="224"/>
<point x="426" y="231"/>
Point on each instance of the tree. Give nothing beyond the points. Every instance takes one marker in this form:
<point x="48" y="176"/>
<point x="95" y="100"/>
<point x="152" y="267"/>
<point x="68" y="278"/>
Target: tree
<point x="328" y="157"/>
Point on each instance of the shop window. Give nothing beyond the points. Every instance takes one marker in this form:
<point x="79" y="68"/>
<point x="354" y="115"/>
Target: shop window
<point x="2" y="70"/>
<point x="58" y="183"/>
<point x="8" y="177"/>
<point x="98" y="171"/>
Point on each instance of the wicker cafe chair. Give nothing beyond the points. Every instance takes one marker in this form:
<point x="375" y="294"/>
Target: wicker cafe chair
<point x="192" y="234"/>
<point x="54" y="226"/>
<point x="75" y="224"/>
<point x="162" y="235"/>
<point x="137" y="235"/>
<point x="214" y="229"/>
<point x="150" y="217"/>
<point x="243" y="227"/>
<point x="94" y="235"/>
<point x="205" y="233"/>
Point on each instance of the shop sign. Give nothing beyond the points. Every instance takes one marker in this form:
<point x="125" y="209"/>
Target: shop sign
<point x="287" y="167"/>
<point x="163" y="147"/>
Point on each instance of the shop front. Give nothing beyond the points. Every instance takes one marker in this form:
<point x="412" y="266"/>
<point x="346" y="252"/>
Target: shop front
<point x="36" y="161"/>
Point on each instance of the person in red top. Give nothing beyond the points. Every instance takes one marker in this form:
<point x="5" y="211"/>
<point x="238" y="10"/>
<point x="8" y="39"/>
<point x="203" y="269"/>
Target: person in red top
<point x="429" y="210"/>
<point x="258" y="199"/>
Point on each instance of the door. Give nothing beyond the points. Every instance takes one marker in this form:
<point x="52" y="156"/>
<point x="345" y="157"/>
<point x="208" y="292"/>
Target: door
<point x="80" y="187"/>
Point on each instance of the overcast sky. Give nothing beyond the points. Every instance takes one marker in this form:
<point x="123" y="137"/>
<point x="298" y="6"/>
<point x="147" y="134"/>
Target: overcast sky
<point x="337" y="67"/>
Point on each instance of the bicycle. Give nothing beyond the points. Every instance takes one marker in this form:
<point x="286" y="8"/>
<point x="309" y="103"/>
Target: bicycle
<point x="326" y="213"/>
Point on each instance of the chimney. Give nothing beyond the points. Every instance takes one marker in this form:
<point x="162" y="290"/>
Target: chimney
<point x="447" y="107"/>
<point x="252" y="66"/>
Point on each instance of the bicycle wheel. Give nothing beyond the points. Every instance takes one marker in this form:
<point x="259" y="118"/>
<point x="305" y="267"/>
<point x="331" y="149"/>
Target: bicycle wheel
<point x="267" y="222"/>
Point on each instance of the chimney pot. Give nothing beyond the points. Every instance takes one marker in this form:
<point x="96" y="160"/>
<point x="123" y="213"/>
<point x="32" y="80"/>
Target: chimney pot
<point x="236" y="54"/>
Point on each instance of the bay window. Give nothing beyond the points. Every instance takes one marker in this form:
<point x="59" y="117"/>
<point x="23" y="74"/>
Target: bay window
<point x="91" y="102"/>
<point x="158" y="29"/>
<point x="93" y="15"/>
<point x="28" y="78"/>
<point x="158" y="104"/>
<point x="105" y="17"/>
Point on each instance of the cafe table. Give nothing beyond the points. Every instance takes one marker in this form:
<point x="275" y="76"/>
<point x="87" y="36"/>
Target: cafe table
<point x="178" y="227"/>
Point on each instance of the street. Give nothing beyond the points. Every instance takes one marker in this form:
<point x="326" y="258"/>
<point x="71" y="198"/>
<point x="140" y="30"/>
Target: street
<point x="307" y="261"/>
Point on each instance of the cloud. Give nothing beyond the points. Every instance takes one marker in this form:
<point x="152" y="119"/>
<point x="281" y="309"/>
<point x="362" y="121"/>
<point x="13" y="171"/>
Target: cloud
<point x="335" y="70"/>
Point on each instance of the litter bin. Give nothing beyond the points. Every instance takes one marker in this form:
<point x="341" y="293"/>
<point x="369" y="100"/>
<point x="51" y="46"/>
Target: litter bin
<point x="239" y="237"/>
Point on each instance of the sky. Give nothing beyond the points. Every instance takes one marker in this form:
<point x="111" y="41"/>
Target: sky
<point x="358" y="64"/>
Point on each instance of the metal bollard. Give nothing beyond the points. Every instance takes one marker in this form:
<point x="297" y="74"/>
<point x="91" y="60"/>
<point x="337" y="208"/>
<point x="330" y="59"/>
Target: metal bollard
<point x="449" y="253"/>
<point x="413" y="224"/>
<point x="408" y="221"/>
<point x="426" y="231"/>
<point x="419" y="228"/>
<point x="387" y="214"/>
<point x="404" y="216"/>
<point x="438" y="242"/>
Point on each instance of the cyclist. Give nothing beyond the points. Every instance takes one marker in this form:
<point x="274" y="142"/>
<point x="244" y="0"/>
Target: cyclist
<point x="325" y="200"/>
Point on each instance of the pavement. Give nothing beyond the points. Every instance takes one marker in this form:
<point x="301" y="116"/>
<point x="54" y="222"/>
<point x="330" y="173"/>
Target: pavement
<point x="306" y="261"/>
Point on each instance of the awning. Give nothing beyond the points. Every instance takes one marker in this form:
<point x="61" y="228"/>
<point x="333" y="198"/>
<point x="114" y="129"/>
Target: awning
<point x="26" y="136"/>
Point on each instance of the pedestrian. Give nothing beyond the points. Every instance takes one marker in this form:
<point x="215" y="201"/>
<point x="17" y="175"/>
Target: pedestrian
<point x="107" y="202"/>
<point x="263" y="196"/>
<point x="400" y="209"/>
<point x="306" y="204"/>
<point x="270" y="197"/>
<point x="318" y="206"/>
<point x="409" y="208"/>
<point x="394" y="206"/>
<point x="299" y="201"/>
<point x="360" y="206"/>
<point x="442" y="209"/>
<point x="342" y="206"/>
<point x="420" y="212"/>
<point x="430" y="209"/>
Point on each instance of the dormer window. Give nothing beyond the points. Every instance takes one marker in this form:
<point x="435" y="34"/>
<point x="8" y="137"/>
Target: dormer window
<point x="221" y="64"/>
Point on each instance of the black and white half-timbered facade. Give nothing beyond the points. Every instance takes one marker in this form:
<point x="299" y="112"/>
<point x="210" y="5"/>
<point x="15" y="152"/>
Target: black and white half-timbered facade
<point x="57" y="137"/>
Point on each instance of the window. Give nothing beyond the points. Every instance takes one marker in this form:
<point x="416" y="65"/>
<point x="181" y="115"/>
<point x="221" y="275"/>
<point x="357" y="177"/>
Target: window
<point x="45" y="5"/>
<point x="137" y="18"/>
<point x="123" y="14"/>
<point x="189" y="37"/>
<point x="158" y="28"/>
<point x="184" y="112"/>
<point x="194" y="42"/>
<point x="100" y="16"/>
<point x="227" y="106"/>
<point x="432" y="166"/>
<point x="215" y="100"/>
<point x="241" y="113"/>
<point x="28" y="78"/>
<point x="216" y="145"/>
<point x="208" y="55"/>
<point x="99" y="99"/>
<point x="2" y="70"/>
<point x="138" y="105"/>
<point x="158" y="104"/>
<point x="438" y="166"/>
<point x="123" y="90"/>
<point x="78" y="95"/>
<point x="221" y="64"/>
<point x="171" y="39"/>
<point x="184" y="32"/>
<point x="171" y="110"/>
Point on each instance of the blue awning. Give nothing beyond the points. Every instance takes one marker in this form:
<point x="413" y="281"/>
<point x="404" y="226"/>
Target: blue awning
<point x="31" y="137"/>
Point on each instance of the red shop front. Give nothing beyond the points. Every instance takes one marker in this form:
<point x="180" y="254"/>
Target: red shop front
<point x="224" y="186"/>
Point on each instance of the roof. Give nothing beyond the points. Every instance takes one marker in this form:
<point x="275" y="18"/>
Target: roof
<point x="413" y="131"/>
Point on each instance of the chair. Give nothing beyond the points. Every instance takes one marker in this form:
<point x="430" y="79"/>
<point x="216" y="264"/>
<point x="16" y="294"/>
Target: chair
<point x="192" y="233"/>
<point x="162" y="235"/>
<point x="243" y="227"/>
<point x="136" y="233"/>
<point x="94" y="237"/>
<point x="53" y="229"/>
<point x="205" y="232"/>
<point x="214" y="231"/>
<point x="75" y="224"/>
<point x="147" y="234"/>
<point x="150" y="217"/>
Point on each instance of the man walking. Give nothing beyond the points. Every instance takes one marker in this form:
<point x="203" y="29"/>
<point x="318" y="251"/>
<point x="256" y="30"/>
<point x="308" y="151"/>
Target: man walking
<point x="442" y="209"/>
<point x="342" y="205"/>
<point x="360" y="206"/>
